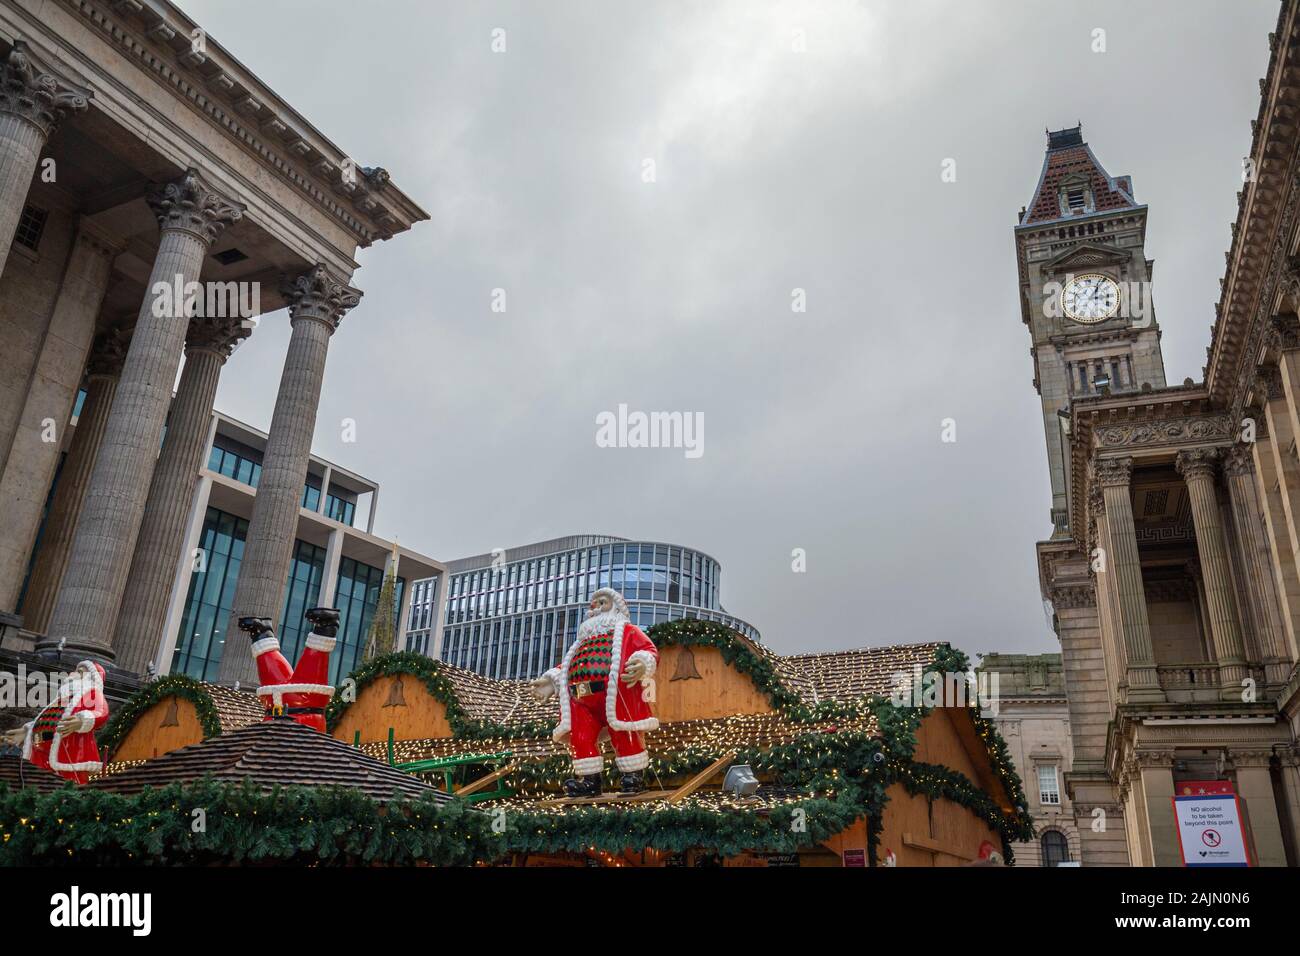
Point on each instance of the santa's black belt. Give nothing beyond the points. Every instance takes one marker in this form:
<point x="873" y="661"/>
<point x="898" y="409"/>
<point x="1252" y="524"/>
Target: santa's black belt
<point x="290" y="711"/>
<point x="583" y="688"/>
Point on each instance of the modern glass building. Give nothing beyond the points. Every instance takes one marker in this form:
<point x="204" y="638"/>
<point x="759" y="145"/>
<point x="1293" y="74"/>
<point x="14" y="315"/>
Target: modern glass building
<point x="512" y="614"/>
<point x="335" y="563"/>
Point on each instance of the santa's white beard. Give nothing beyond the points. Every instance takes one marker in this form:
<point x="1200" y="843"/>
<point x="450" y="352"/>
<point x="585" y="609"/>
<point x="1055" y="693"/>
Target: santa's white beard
<point x="602" y="623"/>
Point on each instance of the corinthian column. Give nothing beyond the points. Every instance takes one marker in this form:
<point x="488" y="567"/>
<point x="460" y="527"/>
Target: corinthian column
<point x="28" y="459"/>
<point x="162" y="532"/>
<point x="106" y="358"/>
<point x="1257" y="557"/>
<point x="190" y="215"/>
<point x="1114" y="476"/>
<point x="1197" y="466"/>
<point x="33" y="99"/>
<point x="318" y="301"/>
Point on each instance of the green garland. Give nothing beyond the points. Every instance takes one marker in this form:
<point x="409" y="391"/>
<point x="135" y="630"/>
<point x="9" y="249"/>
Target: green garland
<point x="124" y="718"/>
<point x="677" y="829"/>
<point x="430" y="673"/>
<point x="844" y="777"/>
<point x="240" y="826"/>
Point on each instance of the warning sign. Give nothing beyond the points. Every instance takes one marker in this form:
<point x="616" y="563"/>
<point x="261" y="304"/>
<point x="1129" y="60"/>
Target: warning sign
<point x="1209" y="830"/>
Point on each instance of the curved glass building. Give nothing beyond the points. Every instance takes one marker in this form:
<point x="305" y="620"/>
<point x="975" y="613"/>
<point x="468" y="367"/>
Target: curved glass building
<point x="511" y="614"/>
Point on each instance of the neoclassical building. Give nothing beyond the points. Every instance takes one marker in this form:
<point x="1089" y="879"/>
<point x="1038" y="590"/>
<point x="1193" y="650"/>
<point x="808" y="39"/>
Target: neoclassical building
<point x="1171" y="570"/>
<point x="1033" y="717"/>
<point x="138" y="156"/>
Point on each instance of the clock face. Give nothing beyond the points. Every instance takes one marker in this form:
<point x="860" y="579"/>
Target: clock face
<point x="1090" y="298"/>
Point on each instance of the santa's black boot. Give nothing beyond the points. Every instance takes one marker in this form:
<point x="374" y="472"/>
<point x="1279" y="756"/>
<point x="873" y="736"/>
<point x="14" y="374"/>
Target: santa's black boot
<point x="632" y="782"/>
<point x="588" y="786"/>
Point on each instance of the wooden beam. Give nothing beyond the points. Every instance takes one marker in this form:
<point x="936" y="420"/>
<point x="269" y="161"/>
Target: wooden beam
<point x="483" y="781"/>
<point x="697" y="781"/>
<point x="644" y="796"/>
<point x="932" y="845"/>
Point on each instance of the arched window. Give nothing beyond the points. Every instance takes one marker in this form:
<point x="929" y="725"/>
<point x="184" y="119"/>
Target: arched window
<point x="1055" y="848"/>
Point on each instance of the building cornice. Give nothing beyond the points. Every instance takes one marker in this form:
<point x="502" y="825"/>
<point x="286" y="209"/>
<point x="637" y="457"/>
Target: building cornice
<point x="1261" y="234"/>
<point x="155" y="35"/>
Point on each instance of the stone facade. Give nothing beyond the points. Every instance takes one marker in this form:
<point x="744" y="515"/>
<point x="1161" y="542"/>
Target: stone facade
<point x="134" y="160"/>
<point x="1034" y="719"/>
<point x="1171" y="569"/>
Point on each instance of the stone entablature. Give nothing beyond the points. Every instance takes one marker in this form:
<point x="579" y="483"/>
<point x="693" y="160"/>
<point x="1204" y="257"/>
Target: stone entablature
<point x="136" y="54"/>
<point x="1266" y="215"/>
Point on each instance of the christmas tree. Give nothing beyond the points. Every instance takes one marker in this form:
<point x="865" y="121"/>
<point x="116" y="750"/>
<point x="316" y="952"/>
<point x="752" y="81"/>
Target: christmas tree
<point x="383" y="626"/>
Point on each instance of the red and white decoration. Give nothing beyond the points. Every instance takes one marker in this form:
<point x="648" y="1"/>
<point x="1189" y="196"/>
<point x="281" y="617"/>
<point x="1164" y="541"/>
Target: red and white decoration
<point x="620" y="712"/>
<point x="71" y="753"/>
<point x="302" y="691"/>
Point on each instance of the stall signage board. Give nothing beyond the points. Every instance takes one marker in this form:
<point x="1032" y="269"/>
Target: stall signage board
<point x="1209" y="830"/>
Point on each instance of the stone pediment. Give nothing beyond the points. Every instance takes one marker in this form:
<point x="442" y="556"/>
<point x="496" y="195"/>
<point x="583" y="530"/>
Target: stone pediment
<point x="1084" y="257"/>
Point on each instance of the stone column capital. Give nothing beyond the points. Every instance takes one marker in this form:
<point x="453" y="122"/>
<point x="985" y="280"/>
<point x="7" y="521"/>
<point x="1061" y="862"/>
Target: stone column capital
<point x="216" y="334"/>
<point x="32" y="90"/>
<point x="1239" y="460"/>
<point x="1113" y="472"/>
<point x="97" y="239"/>
<point x="1143" y="759"/>
<point x="1268" y="382"/>
<point x="1283" y="333"/>
<point x="320" y="295"/>
<point x="108" y="353"/>
<point x="1250" y="757"/>
<point x="190" y="204"/>
<point x="1194" y="463"/>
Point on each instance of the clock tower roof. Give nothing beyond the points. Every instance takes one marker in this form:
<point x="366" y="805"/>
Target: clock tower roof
<point x="1073" y="183"/>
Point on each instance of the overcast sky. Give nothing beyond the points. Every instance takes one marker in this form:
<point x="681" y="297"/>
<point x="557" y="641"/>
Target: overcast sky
<point x="775" y="169"/>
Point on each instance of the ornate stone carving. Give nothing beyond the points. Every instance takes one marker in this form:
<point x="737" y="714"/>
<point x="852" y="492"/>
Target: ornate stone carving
<point x="108" y="353"/>
<point x="190" y="205"/>
<point x="1096" y="503"/>
<point x="1113" y="472"/>
<point x="218" y="334"/>
<point x="1238" y="461"/>
<point x="1283" y="333"/>
<point x="1169" y="431"/>
<point x="1153" y="758"/>
<point x="1067" y="596"/>
<point x="31" y="90"/>
<point x="1268" y="382"/>
<point x="1197" y="463"/>
<point x="319" y="294"/>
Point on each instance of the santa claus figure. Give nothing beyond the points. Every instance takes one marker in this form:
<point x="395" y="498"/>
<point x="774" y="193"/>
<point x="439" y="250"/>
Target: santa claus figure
<point x="62" y="737"/>
<point x="300" y="693"/>
<point x="605" y="685"/>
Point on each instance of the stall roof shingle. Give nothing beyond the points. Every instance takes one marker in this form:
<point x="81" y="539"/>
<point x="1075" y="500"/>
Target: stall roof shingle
<point x="18" y="774"/>
<point x="269" y="753"/>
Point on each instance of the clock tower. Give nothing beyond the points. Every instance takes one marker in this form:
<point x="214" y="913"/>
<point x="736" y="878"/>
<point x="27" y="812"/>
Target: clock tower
<point x="1085" y="293"/>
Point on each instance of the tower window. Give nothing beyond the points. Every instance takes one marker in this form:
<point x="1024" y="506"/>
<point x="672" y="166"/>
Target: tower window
<point x="1076" y="200"/>
<point x="31" y="224"/>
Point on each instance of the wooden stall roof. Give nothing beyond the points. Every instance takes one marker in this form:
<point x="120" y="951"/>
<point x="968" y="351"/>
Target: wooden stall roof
<point x="687" y="737"/>
<point x="235" y="708"/>
<point x="849" y="674"/>
<point x="18" y="774"/>
<point x="812" y="678"/>
<point x="269" y="753"/>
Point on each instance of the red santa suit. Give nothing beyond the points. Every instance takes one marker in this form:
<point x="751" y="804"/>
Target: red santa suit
<point x="592" y="703"/>
<point x="300" y="692"/>
<point x="73" y="756"/>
